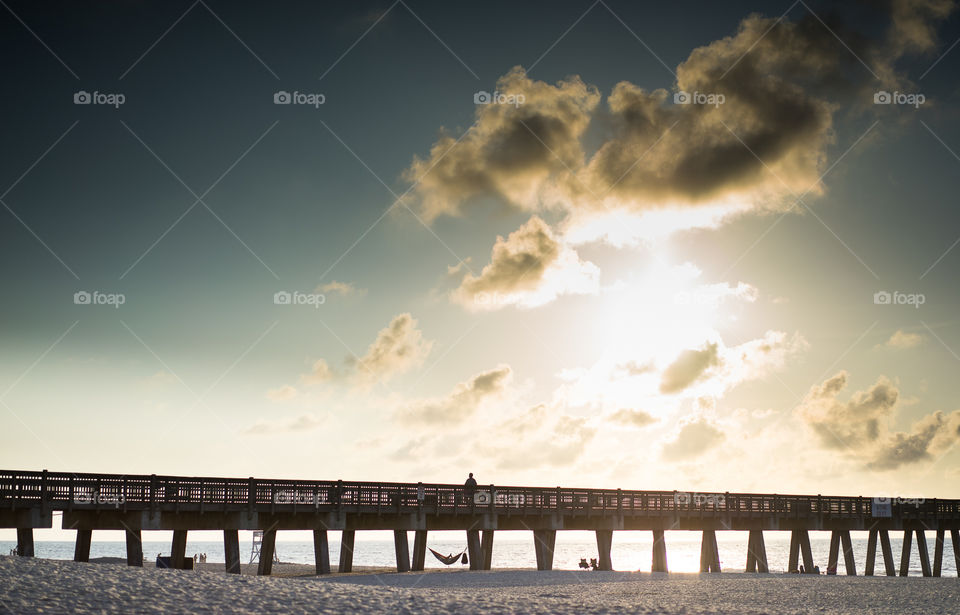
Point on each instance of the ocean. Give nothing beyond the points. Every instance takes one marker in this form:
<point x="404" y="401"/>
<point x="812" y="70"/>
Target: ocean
<point x="631" y="550"/>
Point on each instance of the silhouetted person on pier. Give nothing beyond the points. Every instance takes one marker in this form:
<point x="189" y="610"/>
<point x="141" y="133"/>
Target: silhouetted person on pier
<point x="470" y="487"/>
<point x="336" y="492"/>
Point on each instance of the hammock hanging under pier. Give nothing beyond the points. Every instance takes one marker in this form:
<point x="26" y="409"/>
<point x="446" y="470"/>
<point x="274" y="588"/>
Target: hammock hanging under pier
<point x="451" y="559"/>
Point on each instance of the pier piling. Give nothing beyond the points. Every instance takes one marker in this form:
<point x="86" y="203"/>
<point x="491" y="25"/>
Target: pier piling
<point x="81" y="552"/>
<point x="659" y="552"/>
<point x="544" y="542"/>
<point x="419" y="550"/>
<point x="486" y="546"/>
<point x="321" y="551"/>
<point x="924" y="554"/>
<point x="25" y="541"/>
<point x="905" y="552"/>
<point x="756" y="552"/>
<point x="267" y="548"/>
<point x="604" y="544"/>
<point x="402" y="549"/>
<point x="347" y="538"/>
<point x="134" y="547"/>
<point x="231" y="551"/>
<point x="178" y="549"/>
<point x="474" y="550"/>
<point x="709" y="552"/>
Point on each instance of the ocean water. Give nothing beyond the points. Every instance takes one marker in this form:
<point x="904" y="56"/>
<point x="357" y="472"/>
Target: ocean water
<point x="631" y="550"/>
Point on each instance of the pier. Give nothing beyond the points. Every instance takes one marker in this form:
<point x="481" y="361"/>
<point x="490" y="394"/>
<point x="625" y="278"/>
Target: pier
<point x="138" y="503"/>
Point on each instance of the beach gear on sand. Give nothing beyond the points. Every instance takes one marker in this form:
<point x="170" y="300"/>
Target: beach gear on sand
<point x="451" y="559"/>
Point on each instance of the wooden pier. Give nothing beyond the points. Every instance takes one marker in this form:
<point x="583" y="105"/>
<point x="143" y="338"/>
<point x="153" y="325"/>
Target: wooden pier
<point x="138" y="503"/>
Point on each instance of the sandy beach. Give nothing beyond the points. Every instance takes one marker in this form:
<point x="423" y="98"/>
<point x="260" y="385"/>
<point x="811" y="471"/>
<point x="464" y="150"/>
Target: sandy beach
<point x="45" y="586"/>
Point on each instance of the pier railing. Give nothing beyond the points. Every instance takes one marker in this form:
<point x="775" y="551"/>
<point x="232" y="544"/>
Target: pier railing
<point x="70" y="491"/>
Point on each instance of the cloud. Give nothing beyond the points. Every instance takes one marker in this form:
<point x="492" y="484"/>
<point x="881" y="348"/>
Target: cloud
<point x="688" y="367"/>
<point x="913" y="25"/>
<point x="300" y="424"/>
<point x="540" y="437"/>
<point x="282" y="394"/>
<point x="863" y="425"/>
<point x="633" y="368"/>
<point x="668" y="166"/>
<point x="511" y="151"/>
<point x="634" y="418"/>
<point x="529" y="268"/>
<point x="854" y="423"/>
<point x="398" y="348"/>
<point x="692" y="440"/>
<point x="344" y="289"/>
<point x="932" y="434"/>
<point x="901" y="340"/>
<point x="462" y="402"/>
<point x="319" y="372"/>
<point x="707" y="370"/>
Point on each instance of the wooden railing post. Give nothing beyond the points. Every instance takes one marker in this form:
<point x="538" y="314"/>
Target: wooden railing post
<point x="153" y="494"/>
<point x="43" y="492"/>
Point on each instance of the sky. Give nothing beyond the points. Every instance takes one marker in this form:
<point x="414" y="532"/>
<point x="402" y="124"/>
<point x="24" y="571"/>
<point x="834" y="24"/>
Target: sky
<point x="698" y="246"/>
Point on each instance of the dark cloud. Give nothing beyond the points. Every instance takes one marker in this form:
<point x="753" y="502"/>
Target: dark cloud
<point x="636" y="418"/>
<point x="462" y="402"/>
<point x="854" y="423"/>
<point x="518" y="262"/>
<point x="776" y="85"/>
<point x="512" y="150"/>
<point x="862" y="427"/>
<point x="687" y="368"/>
<point x="528" y="268"/>
<point x="693" y="439"/>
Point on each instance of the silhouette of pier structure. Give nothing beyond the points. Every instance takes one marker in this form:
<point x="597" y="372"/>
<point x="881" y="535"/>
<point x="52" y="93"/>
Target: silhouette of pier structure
<point x="138" y="503"/>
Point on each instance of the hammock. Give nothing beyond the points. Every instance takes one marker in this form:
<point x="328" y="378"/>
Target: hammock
<point x="450" y="559"/>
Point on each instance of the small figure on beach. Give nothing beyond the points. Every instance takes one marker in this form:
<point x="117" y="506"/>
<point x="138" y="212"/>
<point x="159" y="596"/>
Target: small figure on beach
<point x="583" y="563"/>
<point x="196" y="558"/>
<point x="801" y="569"/>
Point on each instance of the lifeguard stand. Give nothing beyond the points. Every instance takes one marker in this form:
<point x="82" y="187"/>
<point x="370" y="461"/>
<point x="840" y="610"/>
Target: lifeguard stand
<point x="255" y="548"/>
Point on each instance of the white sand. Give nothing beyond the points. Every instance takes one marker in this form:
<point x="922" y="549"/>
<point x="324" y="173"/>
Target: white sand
<point x="33" y="586"/>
